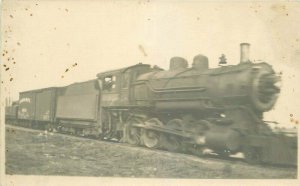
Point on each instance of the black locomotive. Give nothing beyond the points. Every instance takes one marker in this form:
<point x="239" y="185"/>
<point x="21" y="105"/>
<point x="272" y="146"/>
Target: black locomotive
<point x="181" y="109"/>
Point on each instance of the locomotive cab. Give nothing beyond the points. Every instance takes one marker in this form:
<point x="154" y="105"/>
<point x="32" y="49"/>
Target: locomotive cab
<point x="116" y="85"/>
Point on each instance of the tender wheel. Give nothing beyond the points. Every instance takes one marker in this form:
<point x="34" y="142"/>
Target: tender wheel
<point x="150" y="138"/>
<point x="49" y="128"/>
<point x="78" y="132"/>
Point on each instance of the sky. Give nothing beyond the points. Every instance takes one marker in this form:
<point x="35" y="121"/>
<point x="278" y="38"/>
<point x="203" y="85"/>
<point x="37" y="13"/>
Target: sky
<point x="41" y="39"/>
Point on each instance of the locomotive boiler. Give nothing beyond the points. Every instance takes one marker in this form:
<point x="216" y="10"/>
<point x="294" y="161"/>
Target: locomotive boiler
<point x="182" y="109"/>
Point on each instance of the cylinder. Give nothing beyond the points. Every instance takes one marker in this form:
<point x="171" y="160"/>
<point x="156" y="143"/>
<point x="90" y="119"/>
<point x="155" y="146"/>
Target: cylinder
<point x="245" y="52"/>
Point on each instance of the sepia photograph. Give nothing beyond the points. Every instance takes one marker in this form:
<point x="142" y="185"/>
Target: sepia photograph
<point x="147" y="92"/>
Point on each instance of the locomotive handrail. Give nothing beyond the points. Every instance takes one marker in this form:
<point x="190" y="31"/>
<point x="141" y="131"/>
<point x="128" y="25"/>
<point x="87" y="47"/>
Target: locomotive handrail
<point x="180" y="89"/>
<point x="181" y="99"/>
<point x="212" y="72"/>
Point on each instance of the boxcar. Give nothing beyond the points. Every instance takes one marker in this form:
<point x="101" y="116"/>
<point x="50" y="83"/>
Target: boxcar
<point x="38" y="107"/>
<point x="11" y="113"/>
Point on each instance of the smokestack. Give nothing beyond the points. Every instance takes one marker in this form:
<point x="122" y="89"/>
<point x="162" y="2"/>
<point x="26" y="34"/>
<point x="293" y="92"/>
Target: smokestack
<point x="245" y="50"/>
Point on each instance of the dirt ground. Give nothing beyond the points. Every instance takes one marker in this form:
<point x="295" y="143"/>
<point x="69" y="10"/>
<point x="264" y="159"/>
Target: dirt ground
<point x="37" y="153"/>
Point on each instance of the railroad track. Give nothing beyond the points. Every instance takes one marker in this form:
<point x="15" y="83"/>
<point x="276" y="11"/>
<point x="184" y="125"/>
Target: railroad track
<point x="204" y="158"/>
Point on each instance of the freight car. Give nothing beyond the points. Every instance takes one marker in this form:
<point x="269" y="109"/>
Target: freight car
<point x="181" y="109"/>
<point x="36" y="108"/>
<point x="11" y="113"/>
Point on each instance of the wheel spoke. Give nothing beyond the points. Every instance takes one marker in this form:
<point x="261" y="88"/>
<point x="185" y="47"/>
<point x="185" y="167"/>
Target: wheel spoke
<point x="171" y="143"/>
<point x="252" y="155"/>
<point x="132" y="135"/>
<point x="151" y="139"/>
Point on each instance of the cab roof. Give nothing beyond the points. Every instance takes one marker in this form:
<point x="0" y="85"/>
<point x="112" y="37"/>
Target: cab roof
<point x="121" y="70"/>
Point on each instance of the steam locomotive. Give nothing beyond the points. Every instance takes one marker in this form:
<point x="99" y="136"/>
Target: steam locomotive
<point x="181" y="109"/>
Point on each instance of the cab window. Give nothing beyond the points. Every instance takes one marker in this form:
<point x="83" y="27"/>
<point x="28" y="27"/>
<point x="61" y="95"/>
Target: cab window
<point x="109" y="83"/>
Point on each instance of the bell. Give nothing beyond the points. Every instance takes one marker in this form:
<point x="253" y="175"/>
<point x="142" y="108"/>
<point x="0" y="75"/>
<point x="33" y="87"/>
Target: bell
<point x="222" y="60"/>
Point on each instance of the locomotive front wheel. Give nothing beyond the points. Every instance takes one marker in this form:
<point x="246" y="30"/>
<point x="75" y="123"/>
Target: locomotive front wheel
<point x="224" y="153"/>
<point x="252" y="155"/>
<point x="196" y="150"/>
